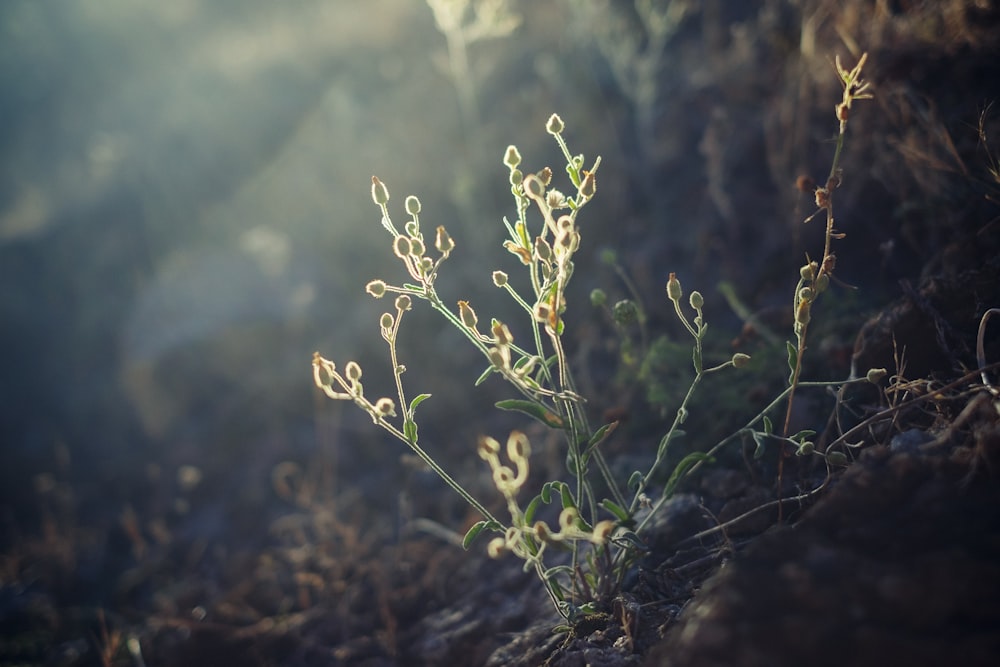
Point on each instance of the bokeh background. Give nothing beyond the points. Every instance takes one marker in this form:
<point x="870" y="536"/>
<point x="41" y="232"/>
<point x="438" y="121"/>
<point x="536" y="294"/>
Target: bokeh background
<point x="185" y="216"/>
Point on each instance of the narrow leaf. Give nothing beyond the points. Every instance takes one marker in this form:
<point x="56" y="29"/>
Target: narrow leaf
<point x="768" y="426"/>
<point x="616" y="509"/>
<point x="635" y="481"/>
<point x="410" y="430"/>
<point x="566" y="497"/>
<point x="683" y="466"/>
<point x="482" y="378"/>
<point x="600" y="435"/>
<point x="477" y="528"/>
<point x="417" y="400"/>
<point x="539" y="412"/>
<point x="793" y="357"/>
<point x="758" y="438"/>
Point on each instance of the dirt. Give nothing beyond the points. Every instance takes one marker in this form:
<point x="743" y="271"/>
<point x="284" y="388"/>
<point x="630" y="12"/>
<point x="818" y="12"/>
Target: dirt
<point x="891" y="559"/>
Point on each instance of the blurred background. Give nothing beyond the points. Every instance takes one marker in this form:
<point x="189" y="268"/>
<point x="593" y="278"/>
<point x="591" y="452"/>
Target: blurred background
<point x="185" y="216"/>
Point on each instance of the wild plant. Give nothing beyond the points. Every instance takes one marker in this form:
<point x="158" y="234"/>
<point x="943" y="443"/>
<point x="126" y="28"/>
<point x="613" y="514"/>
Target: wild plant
<point x="583" y="559"/>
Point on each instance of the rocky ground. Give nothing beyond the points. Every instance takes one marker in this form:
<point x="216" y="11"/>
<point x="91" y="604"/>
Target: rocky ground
<point x="318" y="553"/>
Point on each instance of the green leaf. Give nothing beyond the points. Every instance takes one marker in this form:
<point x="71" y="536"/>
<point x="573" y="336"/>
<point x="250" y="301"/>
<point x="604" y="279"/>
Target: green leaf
<point x="510" y="229"/>
<point x="565" y="496"/>
<point x="630" y="539"/>
<point x="529" y="512"/>
<point x="599" y="436"/>
<point x="696" y="358"/>
<point x="482" y="378"/>
<point x="417" y="400"/>
<point x="759" y="438"/>
<point x="546" y="494"/>
<point x="768" y="426"/>
<point x="793" y="358"/>
<point x="635" y="481"/>
<point x="477" y="528"/>
<point x="539" y="412"/>
<point x="574" y="176"/>
<point x="616" y="509"/>
<point x="683" y="466"/>
<point x="802" y="435"/>
<point x="410" y="430"/>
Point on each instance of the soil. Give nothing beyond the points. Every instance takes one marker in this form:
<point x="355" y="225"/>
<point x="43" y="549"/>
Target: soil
<point x="893" y="558"/>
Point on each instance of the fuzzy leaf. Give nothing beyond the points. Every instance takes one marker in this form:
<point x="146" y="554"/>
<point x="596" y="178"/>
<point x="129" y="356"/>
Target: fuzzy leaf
<point x="758" y="438"/>
<point x="620" y="512"/>
<point x="410" y="430"/>
<point x="539" y="412"/>
<point x="417" y="400"/>
<point x="768" y="426"/>
<point x="635" y="481"/>
<point x="477" y="528"/>
<point x="482" y="378"/>
<point x="683" y="466"/>
<point x="793" y="357"/>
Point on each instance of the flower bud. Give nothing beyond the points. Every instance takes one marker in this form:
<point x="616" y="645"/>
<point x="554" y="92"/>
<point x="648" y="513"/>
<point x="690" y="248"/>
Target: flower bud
<point x="554" y="125"/>
<point x="602" y="532"/>
<point x="598" y="297"/>
<point x="467" y="315"/>
<point x="836" y="458"/>
<point x="518" y="447"/>
<point x="697" y="300"/>
<point x="416" y="247"/>
<point x="386" y="321"/>
<point x="805" y="449"/>
<point x="802" y="314"/>
<point x="822" y="282"/>
<point x="674" y="291"/>
<point x="380" y="193"/>
<point x="497" y="547"/>
<point x="543" y="250"/>
<point x="516" y="177"/>
<point x="443" y="242"/>
<point x="412" y="205"/>
<point x="545" y="176"/>
<point x="501" y="334"/>
<point x="533" y="187"/>
<point x="385" y="407"/>
<point x="402" y="302"/>
<point x="352" y="371"/>
<point x="499" y="278"/>
<point x="489" y="448"/>
<point x="542" y="532"/>
<point x="376" y="288"/>
<point x="567" y="519"/>
<point x="625" y="312"/>
<point x="512" y="157"/>
<point x="876" y="375"/>
<point x="741" y="360"/>
<point x="808" y="271"/>
<point x="588" y="188"/>
<point x="401" y="246"/>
